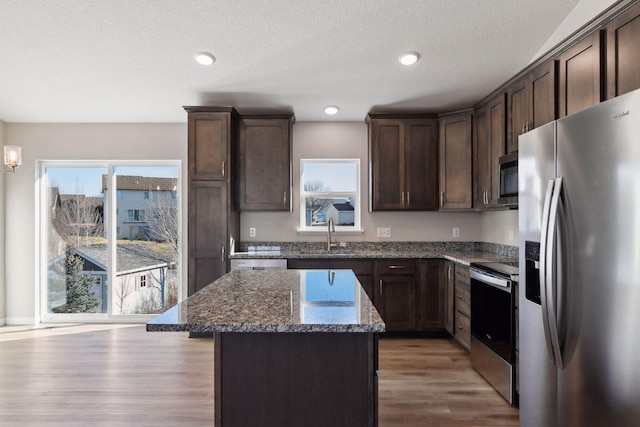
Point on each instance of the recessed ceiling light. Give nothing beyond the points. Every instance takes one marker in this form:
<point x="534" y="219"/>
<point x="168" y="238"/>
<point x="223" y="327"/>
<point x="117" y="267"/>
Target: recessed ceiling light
<point x="331" y="110"/>
<point x="204" y="58"/>
<point x="409" y="58"/>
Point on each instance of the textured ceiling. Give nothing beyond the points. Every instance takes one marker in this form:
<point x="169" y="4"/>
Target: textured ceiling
<point x="132" y="61"/>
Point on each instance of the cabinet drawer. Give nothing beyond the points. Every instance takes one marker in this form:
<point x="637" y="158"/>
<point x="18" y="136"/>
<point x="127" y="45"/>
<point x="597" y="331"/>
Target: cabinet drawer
<point x="462" y="274"/>
<point x="463" y="330"/>
<point x="463" y="299"/>
<point x="395" y="267"/>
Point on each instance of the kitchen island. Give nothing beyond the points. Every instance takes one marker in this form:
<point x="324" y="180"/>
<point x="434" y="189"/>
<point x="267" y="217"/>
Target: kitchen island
<point x="291" y="347"/>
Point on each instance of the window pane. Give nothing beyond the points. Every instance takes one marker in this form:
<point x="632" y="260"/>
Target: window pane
<point x="329" y="176"/>
<point x="319" y="210"/>
<point x="147" y="241"/>
<point x="76" y="281"/>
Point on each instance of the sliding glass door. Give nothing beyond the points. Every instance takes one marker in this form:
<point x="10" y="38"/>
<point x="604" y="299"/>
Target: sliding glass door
<point x="110" y="238"/>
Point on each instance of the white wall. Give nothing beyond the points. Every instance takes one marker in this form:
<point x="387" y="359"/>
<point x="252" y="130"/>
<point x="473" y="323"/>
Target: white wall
<point x="68" y="142"/>
<point x="3" y="241"/>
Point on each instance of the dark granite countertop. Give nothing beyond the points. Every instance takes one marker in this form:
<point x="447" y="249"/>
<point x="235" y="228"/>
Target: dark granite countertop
<point x="275" y="301"/>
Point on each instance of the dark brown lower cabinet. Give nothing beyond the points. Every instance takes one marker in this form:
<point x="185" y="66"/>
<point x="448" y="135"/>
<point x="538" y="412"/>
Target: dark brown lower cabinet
<point x="430" y="296"/>
<point x="448" y="278"/>
<point x="409" y="294"/>
<point x="296" y="379"/>
<point x="396" y="301"/>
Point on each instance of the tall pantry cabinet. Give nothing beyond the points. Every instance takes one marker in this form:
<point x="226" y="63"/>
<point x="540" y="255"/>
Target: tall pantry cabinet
<point x="214" y="219"/>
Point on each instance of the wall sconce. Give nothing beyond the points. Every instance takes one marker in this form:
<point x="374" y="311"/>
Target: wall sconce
<point x="12" y="157"/>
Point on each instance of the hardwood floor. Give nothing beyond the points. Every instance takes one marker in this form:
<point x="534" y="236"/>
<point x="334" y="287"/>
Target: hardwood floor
<point x="107" y="375"/>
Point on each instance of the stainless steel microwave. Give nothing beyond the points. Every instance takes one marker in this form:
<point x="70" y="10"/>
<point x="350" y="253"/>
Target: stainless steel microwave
<point x="508" y="180"/>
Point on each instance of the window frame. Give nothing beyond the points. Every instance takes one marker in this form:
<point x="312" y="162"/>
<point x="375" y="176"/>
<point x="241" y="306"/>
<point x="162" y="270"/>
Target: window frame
<point x="356" y="195"/>
<point x="110" y="224"/>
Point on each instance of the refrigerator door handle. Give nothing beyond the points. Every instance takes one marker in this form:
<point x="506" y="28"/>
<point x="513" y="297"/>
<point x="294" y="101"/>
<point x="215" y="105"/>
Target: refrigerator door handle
<point x="543" y="269"/>
<point x="551" y="281"/>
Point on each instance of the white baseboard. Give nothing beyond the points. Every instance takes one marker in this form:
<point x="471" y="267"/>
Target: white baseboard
<point x="21" y="321"/>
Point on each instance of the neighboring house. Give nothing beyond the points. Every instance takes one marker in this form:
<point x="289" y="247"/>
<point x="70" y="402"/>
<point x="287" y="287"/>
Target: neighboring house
<point x="141" y="275"/>
<point x="341" y="213"/>
<point x="74" y="217"/>
<point x="138" y="201"/>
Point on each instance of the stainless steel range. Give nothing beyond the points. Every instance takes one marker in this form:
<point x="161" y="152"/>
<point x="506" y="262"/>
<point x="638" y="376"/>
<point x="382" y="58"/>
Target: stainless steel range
<point x="493" y="327"/>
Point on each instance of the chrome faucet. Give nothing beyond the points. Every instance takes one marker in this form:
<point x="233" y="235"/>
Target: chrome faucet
<point x="331" y="228"/>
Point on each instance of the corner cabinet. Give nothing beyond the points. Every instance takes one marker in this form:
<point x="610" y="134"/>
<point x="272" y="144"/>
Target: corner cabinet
<point x="213" y="218"/>
<point x="264" y="162"/>
<point x="488" y="147"/>
<point x="403" y="163"/>
<point x="455" y="161"/>
<point x="448" y="278"/>
<point x="430" y="295"/>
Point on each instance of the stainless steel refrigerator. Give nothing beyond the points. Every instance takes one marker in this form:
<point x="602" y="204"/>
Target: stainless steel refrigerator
<point x="579" y="300"/>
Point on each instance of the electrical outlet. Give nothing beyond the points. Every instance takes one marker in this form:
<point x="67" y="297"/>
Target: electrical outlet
<point x="252" y="232"/>
<point x="511" y="235"/>
<point x="384" y="232"/>
<point x="456" y="232"/>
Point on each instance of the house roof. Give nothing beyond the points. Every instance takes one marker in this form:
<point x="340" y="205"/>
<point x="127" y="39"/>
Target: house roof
<point x="90" y="61"/>
<point x="343" y="207"/>
<point x="141" y="183"/>
<point x="129" y="257"/>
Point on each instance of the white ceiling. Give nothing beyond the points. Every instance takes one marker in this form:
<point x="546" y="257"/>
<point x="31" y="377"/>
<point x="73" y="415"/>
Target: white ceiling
<point x="132" y="60"/>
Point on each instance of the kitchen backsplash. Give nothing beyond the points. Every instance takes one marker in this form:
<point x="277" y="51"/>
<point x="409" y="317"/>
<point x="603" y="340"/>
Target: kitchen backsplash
<point x="504" y="250"/>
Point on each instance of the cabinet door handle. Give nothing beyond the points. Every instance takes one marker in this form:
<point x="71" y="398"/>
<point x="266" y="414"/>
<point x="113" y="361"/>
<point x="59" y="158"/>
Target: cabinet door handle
<point x="442" y="198"/>
<point x="460" y="298"/>
<point x="223" y="171"/>
<point x="449" y="273"/>
<point x="380" y="286"/>
<point x="408" y="200"/>
<point x="222" y="254"/>
<point x="460" y="328"/>
<point x="402" y="198"/>
<point x="284" y="198"/>
<point x="396" y="267"/>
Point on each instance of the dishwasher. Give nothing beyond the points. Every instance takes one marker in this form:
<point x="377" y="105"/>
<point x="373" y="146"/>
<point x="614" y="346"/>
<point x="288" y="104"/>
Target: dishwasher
<point x="259" y="264"/>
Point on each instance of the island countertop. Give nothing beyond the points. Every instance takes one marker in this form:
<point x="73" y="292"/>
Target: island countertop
<point x="275" y="301"/>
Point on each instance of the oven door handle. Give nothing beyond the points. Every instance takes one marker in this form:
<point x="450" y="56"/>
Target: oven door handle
<point x="498" y="282"/>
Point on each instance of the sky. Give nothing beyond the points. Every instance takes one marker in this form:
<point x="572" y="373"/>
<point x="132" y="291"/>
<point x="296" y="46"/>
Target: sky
<point x="336" y="176"/>
<point x="88" y="180"/>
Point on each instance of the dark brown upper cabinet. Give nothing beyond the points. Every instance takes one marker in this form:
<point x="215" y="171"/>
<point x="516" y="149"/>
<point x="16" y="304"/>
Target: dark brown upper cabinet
<point x="213" y="218"/>
<point x="403" y="163"/>
<point x="623" y="53"/>
<point x="264" y="162"/>
<point x="531" y="103"/>
<point x="210" y="135"/>
<point x="456" y="161"/>
<point x="489" y="146"/>
<point x="579" y="75"/>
